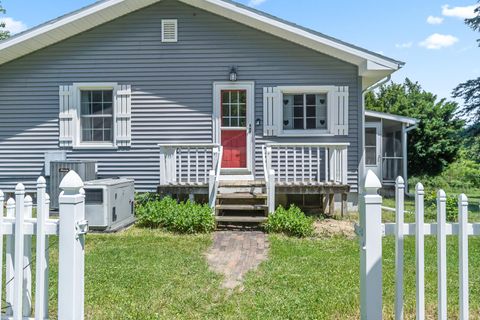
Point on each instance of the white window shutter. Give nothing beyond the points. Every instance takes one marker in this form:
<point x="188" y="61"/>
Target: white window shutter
<point x="123" y="116"/>
<point x="339" y="110"/>
<point x="271" y="111"/>
<point x="66" y="118"/>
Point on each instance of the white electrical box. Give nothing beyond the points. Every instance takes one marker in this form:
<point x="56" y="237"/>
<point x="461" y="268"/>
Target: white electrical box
<point x="109" y="204"/>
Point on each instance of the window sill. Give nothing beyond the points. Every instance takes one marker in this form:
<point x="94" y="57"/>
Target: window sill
<point x="95" y="147"/>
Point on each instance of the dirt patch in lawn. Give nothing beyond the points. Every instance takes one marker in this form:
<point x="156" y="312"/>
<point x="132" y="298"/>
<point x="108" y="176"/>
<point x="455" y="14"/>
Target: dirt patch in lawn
<point x="331" y="227"/>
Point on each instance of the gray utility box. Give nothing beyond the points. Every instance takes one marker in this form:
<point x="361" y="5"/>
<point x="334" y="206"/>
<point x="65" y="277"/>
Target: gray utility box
<point x="86" y="169"/>
<point x="109" y="203"/>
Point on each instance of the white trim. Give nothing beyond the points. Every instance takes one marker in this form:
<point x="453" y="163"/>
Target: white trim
<point x="248" y="86"/>
<point x="105" y="11"/>
<point x="175" y="23"/>
<point x="77" y="141"/>
<point x="329" y="90"/>
<point x="392" y="117"/>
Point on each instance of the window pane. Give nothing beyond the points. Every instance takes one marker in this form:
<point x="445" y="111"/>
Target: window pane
<point x="298" y="100"/>
<point x="370" y="156"/>
<point x="234" y="110"/>
<point x="97" y="96"/>
<point x="108" y="96"/>
<point x="311" y="123"/>
<point x="97" y="123"/>
<point x="86" y="109"/>
<point x="243" y="97"/>
<point x="243" y="110"/>
<point x="86" y="96"/>
<point x="97" y="108"/>
<point x="234" y="122"/>
<point x="311" y="111"/>
<point x="243" y="122"/>
<point x="226" y="122"/>
<point x="298" y="124"/>
<point x="225" y="110"/>
<point x="107" y="135"/>
<point x="234" y="96"/>
<point x="310" y="99"/>
<point x="107" y="123"/>
<point x="86" y="135"/>
<point x="225" y="96"/>
<point x="98" y="135"/>
<point x="370" y="136"/>
<point x="108" y="108"/>
<point x="298" y="111"/>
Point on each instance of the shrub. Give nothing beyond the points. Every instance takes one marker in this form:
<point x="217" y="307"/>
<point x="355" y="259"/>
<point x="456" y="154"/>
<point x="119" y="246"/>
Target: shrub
<point x="183" y="217"/>
<point x="291" y="221"/>
<point x="431" y="206"/>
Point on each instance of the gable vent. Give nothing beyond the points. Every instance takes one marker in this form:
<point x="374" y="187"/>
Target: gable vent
<point x="169" y="30"/>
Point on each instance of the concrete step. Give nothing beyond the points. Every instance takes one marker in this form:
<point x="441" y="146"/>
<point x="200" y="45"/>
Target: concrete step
<point x="242" y="195"/>
<point x="246" y="219"/>
<point x="241" y="207"/>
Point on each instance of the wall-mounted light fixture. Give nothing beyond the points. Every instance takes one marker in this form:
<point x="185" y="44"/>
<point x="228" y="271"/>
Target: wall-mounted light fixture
<point x="233" y="74"/>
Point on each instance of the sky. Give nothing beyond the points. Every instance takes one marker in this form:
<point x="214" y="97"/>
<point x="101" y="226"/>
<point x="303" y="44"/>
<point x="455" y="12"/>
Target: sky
<point x="440" y="51"/>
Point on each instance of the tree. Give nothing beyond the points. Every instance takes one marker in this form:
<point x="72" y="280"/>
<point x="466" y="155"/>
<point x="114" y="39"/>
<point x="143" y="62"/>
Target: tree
<point x="4" y="34"/>
<point x="436" y="142"/>
<point x="470" y="91"/>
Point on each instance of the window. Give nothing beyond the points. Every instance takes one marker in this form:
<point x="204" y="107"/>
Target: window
<point x="371" y="146"/>
<point x="96" y="116"/>
<point x="234" y="108"/>
<point x="305" y="111"/>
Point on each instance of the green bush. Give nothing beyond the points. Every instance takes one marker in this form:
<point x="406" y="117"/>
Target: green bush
<point x="291" y="221"/>
<point x="431" y="206"/>
<point x="183" y="217"/>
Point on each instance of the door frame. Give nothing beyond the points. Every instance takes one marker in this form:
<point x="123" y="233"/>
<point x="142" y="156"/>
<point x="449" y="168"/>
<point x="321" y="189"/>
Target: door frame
<point x="379" y="127"/>
<point x="249" y="87"/>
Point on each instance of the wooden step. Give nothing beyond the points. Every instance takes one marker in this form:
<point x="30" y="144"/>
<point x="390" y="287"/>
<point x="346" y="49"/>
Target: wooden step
<point x="241" y="207"/>
<point x="240" y="219"/>
<point x="242" y="183"/>
<point x="242" y="195"/>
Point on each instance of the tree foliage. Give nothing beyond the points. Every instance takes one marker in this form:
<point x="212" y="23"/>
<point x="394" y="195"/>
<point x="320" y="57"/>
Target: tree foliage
<point x="470" y="91"/>
<point x="436" y="142"/>
<point x="4" y="34"/>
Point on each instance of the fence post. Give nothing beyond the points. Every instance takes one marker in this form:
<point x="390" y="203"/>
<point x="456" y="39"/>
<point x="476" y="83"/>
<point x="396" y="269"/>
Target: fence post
<point x="41" y="253"/>
<point x="442" y="254"/>
<point x="9" y="264"/>
<point x="463" y="255"/>
<point x="71" y="248"/>
<point x="18" y="255"/>
<point x="27" y="261"/>
<point x="399" y="245"/>
<point x="371" y="249"/>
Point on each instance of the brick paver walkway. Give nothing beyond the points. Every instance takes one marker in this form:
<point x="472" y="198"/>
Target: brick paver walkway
<point x="234" y="253"/>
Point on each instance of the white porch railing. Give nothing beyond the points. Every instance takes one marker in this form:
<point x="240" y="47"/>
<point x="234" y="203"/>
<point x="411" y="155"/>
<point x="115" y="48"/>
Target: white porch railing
<point x="18" y="227"/>
<point x="214" y="177"/>
<point x="372" y="230"/>
<point x="269" y="177"/>
<point x="187" y="163"/>
<point x="308" y="162"/>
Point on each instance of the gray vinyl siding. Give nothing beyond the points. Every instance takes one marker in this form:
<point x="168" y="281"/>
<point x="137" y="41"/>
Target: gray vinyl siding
<point x="171" y="88"/>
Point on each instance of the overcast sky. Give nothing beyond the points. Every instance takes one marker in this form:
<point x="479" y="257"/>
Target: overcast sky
<point x="429" y="35"/>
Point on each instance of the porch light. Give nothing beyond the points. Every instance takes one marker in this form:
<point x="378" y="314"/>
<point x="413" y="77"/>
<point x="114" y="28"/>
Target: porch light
<point x="233" y="74"/>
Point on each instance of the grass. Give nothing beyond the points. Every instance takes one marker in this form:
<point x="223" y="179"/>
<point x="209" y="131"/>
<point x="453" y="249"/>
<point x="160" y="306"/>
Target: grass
<point x="144" y="274"/>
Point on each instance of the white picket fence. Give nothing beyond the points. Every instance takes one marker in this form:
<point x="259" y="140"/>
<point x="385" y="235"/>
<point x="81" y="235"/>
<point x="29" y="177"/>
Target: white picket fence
<point x="19" y="227"/>
<point x="372" y="230"/>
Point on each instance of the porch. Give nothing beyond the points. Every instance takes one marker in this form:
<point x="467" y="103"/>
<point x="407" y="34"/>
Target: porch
<point x="195" y="170"/>
<point x="386" y="138"/>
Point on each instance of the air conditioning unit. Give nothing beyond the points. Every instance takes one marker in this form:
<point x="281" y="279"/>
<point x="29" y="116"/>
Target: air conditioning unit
<point x="109" y="204"/>
<point x="86" y="169"/>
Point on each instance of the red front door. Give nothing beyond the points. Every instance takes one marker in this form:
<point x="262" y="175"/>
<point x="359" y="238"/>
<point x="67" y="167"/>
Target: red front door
<point x="233" y="129"/>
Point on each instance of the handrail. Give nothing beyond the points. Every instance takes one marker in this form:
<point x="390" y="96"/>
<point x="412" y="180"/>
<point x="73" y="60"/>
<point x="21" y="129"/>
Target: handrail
<point x="188" y="145"/>
<point x="308" y="144"/>
<point x="214" y="178"/>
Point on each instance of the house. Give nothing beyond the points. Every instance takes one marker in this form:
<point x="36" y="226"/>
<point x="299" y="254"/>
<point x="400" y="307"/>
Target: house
<point x="191" y="96"/>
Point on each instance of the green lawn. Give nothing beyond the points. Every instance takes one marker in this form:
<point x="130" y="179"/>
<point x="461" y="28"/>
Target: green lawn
<point x="142" y="274"/>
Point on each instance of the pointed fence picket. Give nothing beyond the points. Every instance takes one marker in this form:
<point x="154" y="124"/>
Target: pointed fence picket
<point x="19" y="227"/>
<point x="371" y="231"/>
